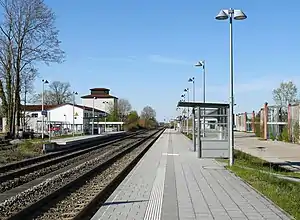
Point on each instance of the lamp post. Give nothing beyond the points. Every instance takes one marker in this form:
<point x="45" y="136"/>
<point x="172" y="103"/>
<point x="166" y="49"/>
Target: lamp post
<point x="183" y="111"/>
<point x="43" y="116"/>
<point x="237" y="15"/>
<point x="187" y="90"/>
<point x="105" y="102"/>
<point x="93" y="115"/>
<point x="74" y="93"/>
<point x="201" y="63"/>
<point x="192" y="80"/>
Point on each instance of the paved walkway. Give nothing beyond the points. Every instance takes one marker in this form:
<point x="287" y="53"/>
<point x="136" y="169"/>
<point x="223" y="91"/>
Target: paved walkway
<point x="83" y="137"/>
<point x="171" y="183"/>
<point x="286" y="154"/>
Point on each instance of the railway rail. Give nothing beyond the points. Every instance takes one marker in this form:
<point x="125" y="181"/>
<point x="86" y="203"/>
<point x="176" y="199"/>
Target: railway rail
<point x="85" y="182"/>
<point x="11" y="170"/>
<point x="24" y="176"/>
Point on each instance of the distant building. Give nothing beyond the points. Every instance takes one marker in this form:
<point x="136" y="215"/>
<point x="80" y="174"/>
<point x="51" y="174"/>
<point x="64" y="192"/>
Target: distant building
<point x="61" y="117"/>
<point x="102" y="99"/>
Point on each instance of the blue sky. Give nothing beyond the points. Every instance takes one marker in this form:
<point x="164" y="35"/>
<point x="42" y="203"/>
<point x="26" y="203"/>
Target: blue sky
<point x="144" y="51"/>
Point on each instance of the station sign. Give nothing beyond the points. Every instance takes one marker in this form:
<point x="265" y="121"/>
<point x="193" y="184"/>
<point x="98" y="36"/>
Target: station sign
<point x="44" y="112"/>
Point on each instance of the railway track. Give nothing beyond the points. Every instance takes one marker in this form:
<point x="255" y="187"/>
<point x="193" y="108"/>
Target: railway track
<point x="72" y="194"/>
<point x="22" y="173"/>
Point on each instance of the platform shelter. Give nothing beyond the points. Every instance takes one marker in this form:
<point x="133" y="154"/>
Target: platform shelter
<point x="210" y="128"/>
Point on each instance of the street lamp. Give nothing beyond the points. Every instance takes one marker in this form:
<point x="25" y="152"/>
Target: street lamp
<point x="105" y="102"/>
<point x="201" y="63"/>
<point x="93" y="115"/>
<point x="192" y="80"/>
<point x="237" y="15"/>
<point x="43" y="114"/>
<point x="74" y="93"/>
<point x="187" y="90"/>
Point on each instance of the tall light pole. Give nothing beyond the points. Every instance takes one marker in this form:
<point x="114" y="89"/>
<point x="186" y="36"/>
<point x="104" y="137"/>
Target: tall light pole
<point x="93" y="115"/>
<point x="192" y="80"/>
<point x="74" y="93"/>
<point x="183" y="111"/>
<point x="193" y="113"/>
<point x="105" y="102"/>
<point x="201" y="63"/>
<point x="187" y="90"/>
<point x="237" y="15"/>
<point x="43" y="115"/>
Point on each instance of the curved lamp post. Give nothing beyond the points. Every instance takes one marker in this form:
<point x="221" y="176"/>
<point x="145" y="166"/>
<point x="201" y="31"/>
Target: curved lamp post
<point x="237" y="15"/>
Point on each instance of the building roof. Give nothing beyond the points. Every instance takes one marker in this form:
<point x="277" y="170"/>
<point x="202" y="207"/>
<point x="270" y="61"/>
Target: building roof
<point x="100" y="89"/>
<point x="202" y="105"/>
<point x="35" y="108"/>
<point x="99" y="96"/>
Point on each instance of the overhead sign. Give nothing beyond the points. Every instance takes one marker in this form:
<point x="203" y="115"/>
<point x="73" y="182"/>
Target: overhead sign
<point x="44" y="112"/>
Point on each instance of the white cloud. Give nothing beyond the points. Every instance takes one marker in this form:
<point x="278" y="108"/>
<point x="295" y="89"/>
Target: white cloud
<point x="167" y="60"/>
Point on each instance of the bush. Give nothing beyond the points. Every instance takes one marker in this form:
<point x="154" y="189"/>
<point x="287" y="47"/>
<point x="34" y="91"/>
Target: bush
<point x="296" y="132"/>
<point x="285" y="134"/>
<point x="272" y="137"/>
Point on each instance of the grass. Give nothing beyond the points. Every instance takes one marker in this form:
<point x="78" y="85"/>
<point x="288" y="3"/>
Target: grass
<point x="27" y="149"/>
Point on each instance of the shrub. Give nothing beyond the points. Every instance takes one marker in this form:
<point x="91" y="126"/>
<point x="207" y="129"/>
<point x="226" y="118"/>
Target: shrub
<point x="296" y="132"/>
<point x="285" y="134"/>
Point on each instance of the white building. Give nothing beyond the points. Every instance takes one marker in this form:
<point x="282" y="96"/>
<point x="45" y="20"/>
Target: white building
<point x="61" y="116"/>
<point x="101" y="98"/>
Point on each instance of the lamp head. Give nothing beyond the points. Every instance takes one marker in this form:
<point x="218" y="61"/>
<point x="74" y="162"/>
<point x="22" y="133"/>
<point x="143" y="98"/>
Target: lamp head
<point x="239" y="15"/>
<point x="222" y="15"/>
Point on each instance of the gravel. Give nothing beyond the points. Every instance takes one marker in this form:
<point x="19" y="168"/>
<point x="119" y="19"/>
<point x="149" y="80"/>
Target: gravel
<point x="72" y="204"/>
<point x="35" y="193"/>
<point x="41" y="172"/>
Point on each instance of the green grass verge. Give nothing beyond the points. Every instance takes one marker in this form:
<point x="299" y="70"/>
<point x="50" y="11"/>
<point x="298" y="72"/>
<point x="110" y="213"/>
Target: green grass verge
<point x="25" y="150"/>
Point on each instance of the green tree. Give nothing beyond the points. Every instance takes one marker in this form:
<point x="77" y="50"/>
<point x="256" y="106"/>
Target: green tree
<point x="132" y="121"/>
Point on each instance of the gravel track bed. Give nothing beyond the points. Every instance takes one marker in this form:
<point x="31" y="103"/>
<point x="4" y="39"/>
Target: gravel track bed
<point x="7" y="185"/>
<point x="74" y="202"/>
<point x="31" y="195"/>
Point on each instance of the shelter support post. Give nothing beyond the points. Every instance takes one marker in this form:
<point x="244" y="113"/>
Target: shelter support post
<point x="199" y="133"/>
<point x="194" y="129"/>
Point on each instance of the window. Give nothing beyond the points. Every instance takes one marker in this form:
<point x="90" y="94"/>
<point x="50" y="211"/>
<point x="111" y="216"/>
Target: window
<point x="34" y="115"/>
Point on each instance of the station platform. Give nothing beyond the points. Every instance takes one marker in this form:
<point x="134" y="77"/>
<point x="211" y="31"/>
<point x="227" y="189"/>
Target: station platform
<point x="83" y="138"/>
<point x="171" y="183"/>
<point x="64" y="143"/>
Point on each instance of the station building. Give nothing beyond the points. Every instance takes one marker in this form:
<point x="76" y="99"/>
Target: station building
<point x="60" y="117"/>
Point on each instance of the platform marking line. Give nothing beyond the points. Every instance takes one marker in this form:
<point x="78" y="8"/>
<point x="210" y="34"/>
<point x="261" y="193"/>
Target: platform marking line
<point x="125" y="183"/>
<point x="170" y="154"/>
<point x="153" y="211"/>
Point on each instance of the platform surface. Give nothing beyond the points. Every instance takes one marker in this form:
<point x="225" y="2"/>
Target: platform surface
<point x="171" y="183"/>
<point x="63" y="141"/>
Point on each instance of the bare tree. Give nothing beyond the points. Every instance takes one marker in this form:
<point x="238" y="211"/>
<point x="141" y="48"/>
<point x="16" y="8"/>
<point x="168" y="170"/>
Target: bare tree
<point x="28" y="36"/>
<point x="124" y="108"/>
<point x="57" y="94"/>
<point x="148" y="113"/>
<point x="285" y="94"/>
<point x="27" y="78"/>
